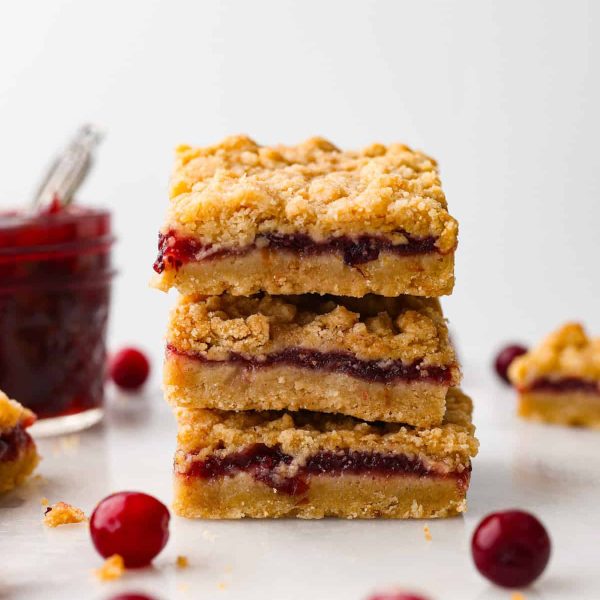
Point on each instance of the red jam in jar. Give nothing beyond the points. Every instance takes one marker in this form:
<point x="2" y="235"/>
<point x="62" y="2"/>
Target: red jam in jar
<point x="55" y="279"/>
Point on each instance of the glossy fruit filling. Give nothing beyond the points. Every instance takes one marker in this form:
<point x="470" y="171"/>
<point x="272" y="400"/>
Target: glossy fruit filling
<point x="373" y="371"/>
<point x="567" y="384"/>
<point x="55" y="276"/>
<point x="13" y="442"/>
<point x="174" y="250"/>
<point x="265" y="464"/>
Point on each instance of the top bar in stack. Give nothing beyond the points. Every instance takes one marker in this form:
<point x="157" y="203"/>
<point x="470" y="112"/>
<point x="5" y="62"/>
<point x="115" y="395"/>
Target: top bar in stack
<point x="245" y="218"/>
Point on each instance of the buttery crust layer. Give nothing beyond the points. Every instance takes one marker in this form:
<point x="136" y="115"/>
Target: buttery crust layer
<point x="572" y="408"/>
<point x="14" y="472"/>
<point x="280" y="272"/>
<point x="233" y="386"/>
<point x="347" y="497"/>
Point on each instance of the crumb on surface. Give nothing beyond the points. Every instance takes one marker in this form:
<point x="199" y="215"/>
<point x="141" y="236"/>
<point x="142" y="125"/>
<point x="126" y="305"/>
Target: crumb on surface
<point x="222" y="586"/>
<point x="62" y="513"/>
<point x="113" y="568"/>
<point x="427" y="532"/>
<point x="517" y="596"/>
<point x="182" y="562"/>
<point x="44" y="501"/>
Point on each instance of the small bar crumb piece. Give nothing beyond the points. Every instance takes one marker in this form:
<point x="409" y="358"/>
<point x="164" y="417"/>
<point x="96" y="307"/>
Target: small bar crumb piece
<point x="222" y="586"/>
<point x="182" y="562"/>
<point x="62" y="513"/>
<point x="427" y="532"/>
<point x="44" y="501"/>
<point x="113" y="568"/>
<point x="518" y="596"/>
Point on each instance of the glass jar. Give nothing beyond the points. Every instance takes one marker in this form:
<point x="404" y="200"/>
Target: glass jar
<point x="55" y="280"/>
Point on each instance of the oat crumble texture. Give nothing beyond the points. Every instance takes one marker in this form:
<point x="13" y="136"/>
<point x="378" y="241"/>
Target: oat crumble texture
<point x="112" y="568"/>
<point x="62" y="513"/>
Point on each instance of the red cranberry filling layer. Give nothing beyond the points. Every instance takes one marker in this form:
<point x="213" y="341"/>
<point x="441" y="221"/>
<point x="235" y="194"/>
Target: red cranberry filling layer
<point x="174" y="251"/>
<point x="567" y="384"/>
<point x="262" y="463"/>
<point x="374" y="371"/>
<point x="13" y="442"/>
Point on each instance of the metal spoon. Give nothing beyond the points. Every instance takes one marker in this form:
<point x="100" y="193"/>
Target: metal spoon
<point x="69" y="169"/>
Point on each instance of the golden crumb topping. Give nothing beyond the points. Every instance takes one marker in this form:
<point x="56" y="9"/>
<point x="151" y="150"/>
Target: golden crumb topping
<point x="372" y="328"/>
<point x="62" y="513"/>
<point x="112" y="568"/>
<point x="427" y="533"/>
<point x="228" y="194"/>
<point x="182" y="562"/>
<point x="567" y="352"/>
<point x="12" y="414"/>
<point x="302" y="434"/>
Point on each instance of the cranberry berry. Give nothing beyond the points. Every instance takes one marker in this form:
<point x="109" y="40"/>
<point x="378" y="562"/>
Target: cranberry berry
<point x="511" y="548"/>
<point x="132" y="524"/>
<point x="505" y="358"/>
<point x="132" y="597"/>
<point x="129" y="369"/>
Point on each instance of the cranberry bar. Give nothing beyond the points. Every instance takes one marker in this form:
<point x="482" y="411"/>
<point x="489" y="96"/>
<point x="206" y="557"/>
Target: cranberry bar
<point x="18" y="454"/>
<point x="245" y="218"/>
<point x="373" y="358"/>
<point x="310" y="465"/>
<point x="559" y="381"/>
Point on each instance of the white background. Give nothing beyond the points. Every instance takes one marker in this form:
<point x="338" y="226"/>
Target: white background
<point x="504" y="94"/>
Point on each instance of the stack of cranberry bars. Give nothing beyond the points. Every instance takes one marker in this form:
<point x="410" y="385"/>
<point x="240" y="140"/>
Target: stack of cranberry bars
<point x="308" y="359"/>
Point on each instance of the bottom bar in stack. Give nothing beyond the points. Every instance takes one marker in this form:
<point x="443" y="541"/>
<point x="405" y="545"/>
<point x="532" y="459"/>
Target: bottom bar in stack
<point x="311" y="465"/>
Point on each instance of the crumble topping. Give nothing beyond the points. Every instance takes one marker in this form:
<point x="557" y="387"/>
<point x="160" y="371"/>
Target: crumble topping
<point x="12" y="414"/>
<point x="567" y="352"/>
<point x="112" y="568"/>
<point x="302" y="434"/>
<point x="228" y="194"/>
<point x="372" y="328"/>
<point x="427" y="533"/>
<point x="62" y="513"/>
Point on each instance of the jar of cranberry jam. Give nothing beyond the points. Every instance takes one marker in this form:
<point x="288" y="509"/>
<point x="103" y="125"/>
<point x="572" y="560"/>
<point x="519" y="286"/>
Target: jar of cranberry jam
<point x="55" y="279"/>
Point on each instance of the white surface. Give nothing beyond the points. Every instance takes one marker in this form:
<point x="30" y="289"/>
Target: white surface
<point x="503" y="93"/>
<point x="548" y="470"/>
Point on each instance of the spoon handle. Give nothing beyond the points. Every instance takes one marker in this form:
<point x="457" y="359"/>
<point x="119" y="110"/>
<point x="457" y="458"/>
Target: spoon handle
<point x="69" y="169"/>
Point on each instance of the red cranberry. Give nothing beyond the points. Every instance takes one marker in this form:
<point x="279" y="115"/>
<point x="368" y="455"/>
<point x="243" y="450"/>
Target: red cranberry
<point x="132" y="524"/>
<point x="511" y="548"/>
<point x="395" y="596"/>
<point x="505" y="357"/>
<point x="129" y="369"/>
<point x="132" y="597"/>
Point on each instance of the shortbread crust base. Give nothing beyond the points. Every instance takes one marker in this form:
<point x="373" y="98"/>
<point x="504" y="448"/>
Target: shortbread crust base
<point x="230" y="386"/>
<point x="346" y="496"/>
<point x="562" y="408"/>
<point x="281" y="272"/>
<point x="14" y="472"/>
